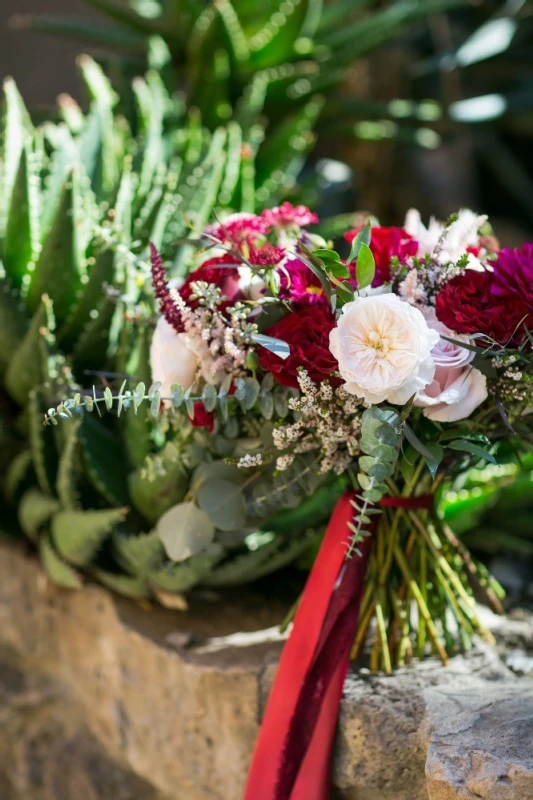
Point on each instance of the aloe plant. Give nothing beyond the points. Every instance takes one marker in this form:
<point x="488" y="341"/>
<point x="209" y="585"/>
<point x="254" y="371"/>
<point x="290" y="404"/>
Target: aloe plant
<point x="234" y="59"/>
<point x="80" y="200"/>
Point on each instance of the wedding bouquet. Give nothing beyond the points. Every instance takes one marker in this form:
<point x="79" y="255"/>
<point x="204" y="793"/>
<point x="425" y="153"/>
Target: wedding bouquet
<point x="300" y="384"/>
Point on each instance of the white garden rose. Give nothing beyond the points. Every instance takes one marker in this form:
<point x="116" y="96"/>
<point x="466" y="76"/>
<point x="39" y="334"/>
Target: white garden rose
<point x="172" y="358"/>
<point x="383" y="346"/>
<point x="457" y="388"/>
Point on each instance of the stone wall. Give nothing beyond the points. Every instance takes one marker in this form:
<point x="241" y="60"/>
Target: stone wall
<point x="107" y="699"/>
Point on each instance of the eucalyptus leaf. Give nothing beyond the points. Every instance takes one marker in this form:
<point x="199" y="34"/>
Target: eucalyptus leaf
<point x="223" y="502"/>
<point x="275" y="346"/>
<point x="185" y="530"/>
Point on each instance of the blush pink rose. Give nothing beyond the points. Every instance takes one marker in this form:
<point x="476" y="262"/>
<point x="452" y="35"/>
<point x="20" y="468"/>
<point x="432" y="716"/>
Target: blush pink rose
<point x="457" y="388"/>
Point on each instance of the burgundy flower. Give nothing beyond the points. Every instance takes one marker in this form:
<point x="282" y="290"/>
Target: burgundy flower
<point x="215" y="271"/>
<point x="167" y="307"/>
<point x="387" y="243"/>
<point x="513" y="274"/>
<point x="299" y="284"/>
<point x="306" y="331"/>
<point x="202" y="418"/>
<point x="468" y="304"/>
<point x="287" y="215"/>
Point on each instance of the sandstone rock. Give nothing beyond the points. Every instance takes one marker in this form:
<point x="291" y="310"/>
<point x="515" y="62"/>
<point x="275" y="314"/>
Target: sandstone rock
<point x="176" y="700"/>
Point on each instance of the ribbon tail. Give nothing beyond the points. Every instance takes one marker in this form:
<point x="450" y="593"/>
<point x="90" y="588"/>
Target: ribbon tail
<point x="293" y="751"/>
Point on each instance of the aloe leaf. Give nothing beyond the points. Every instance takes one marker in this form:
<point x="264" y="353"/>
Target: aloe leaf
<point x="56" y="569"/>
<point x="42" y="443"/>
<point x="59" y="257"/>
<point x="255" y="564"/>
<point x="78" y="535"/>
<point x="13" y="322"/>
<point x="21" y="243"/>
<point x="133" y="587"/>
<point x="25" y="369"/>
<point x="174" y="577"/>
<point x="138" y="555"/>
<point x="68" y="469"/>
<point x="103" y="461"/>
<point x="34" y="511"/>
<point x="91" y="33"/>
<point x="16" y="127"/>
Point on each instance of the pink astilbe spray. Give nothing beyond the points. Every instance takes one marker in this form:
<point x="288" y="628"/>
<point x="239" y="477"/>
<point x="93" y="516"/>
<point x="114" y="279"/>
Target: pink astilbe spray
<point x="167" y="305"/>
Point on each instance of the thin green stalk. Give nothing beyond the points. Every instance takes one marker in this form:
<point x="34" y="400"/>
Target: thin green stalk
<point x="421" y="633"/>
<point x="413" y="586"/>
<point x="382" y="631"/>
<point x="453" y="577"/>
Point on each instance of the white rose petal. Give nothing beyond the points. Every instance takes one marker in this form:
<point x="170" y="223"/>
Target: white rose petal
<point x="383" y="346"/>
<point x="462" y="233"/>
<point x="172" y="358"/>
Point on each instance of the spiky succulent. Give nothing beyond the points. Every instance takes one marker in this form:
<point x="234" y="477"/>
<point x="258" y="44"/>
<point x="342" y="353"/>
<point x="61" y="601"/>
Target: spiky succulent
<point x="285" y="59"/>
<point x="81" y="199"/>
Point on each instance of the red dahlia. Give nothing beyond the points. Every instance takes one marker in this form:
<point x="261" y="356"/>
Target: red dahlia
<point x="468" y="304"/>
<point x="306" y="331"/>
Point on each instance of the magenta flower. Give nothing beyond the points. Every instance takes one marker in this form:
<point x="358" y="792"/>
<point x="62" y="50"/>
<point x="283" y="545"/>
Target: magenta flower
<point x="513" y="274"/>
<point x="288" y="216"/>
<point x="299" y="285"/>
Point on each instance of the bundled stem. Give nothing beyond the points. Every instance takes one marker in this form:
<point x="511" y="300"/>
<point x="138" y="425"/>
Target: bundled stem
<point x="421" y="588"/>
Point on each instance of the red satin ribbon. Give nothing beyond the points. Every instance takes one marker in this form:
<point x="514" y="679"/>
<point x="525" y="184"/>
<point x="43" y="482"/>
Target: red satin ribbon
<point x="292" y="755"/>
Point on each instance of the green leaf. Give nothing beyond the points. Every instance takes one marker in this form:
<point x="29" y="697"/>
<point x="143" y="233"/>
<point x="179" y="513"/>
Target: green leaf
<point x="56" y="569"/>
<point x="13" y="322"/>
<point x="78" y="535"/>
<point x="362" y="237"/>
<point x="180" y="577"/>
<point x="59" y="256"/>
<point x="140" y="554"/>
<point x="223" y="502"/>
<point x="275" y="346"/>
<point x="125" y="585"/>
<point x="185" y="530"/>
<point x="103" y="460"/>
<point x="34" y="511"/>
<point x="366" y="267"/>
<point x="433" y="453"/>
<point x="68" y="470"/>
<point x="470" y="447"/>
<point x="152" y="495"/>
<point x="42" y="443"/>
<point x="25" y="370"/>
<point x="21" y="241"/>
<point x="277" y="553"/>
<point x="209" y="397"/>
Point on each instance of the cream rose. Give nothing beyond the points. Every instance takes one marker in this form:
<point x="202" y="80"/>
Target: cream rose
<point x="457" y="388"/>
<point x="172" y="358"/>
<point x="383" y="346"/>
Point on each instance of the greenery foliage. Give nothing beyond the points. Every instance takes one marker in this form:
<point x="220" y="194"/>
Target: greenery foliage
<point x="80" y="199"/>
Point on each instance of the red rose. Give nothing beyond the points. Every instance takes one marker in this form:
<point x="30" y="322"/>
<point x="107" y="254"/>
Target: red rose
<point x="306" y="331"/>
<point x="226" y="278"/>
<point x="387" y="243"/>
<point x="202" y="418"/>
<point x="467" y="304"/>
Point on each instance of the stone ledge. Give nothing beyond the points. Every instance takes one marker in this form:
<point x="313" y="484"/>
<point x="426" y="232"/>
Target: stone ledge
<point x="176" y="698"/>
